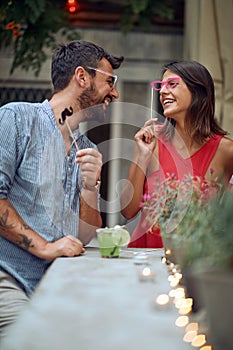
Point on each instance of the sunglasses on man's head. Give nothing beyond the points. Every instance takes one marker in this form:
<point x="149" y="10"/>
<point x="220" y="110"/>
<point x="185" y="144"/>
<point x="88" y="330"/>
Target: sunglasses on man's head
<point x="170" y="83"/>
<point x="113" y="76"/>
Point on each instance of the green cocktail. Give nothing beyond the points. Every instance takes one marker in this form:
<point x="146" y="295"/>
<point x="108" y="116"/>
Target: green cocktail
<point x="111" y="239"/>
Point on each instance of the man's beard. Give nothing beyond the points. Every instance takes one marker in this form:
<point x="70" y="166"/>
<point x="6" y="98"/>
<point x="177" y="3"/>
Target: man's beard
<point x="92" y="108"/>
<point x="88" y="98"/>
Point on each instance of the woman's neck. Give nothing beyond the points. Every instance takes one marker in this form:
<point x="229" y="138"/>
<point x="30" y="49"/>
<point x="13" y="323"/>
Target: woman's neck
<point x="183" y="143"/>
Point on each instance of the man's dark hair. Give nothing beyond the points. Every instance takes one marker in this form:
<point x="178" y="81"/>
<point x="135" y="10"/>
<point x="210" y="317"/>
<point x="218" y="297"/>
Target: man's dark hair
<point x="77" y="53"/>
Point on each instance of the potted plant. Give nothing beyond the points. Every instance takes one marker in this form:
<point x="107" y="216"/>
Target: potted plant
<point x="196" y="220"/>
<point x="204" y="239"/>
<point x="178" y="206"/>
<point x="181" y="207"/>
<point x="213" y="273"/>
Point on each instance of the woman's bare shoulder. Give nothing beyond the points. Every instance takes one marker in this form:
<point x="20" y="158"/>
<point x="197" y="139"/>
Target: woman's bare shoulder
<point x="226" y="154"/>
<point x="226" y="145"/>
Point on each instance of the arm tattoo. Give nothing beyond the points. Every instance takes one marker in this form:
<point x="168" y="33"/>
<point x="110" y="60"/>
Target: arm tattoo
<point x="25" y="242"/>
<point x="25" y="227"/>
<point x="3" y="221"/>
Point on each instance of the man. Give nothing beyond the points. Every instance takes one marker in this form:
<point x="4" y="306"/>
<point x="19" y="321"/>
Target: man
<point x="48" y="211"/>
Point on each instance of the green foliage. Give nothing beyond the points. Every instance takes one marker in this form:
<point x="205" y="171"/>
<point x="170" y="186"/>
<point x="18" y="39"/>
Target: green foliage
<point x="207" y="235"/>
<point x="31" y="27"/>
<point x="175" y="203"/>
<point x="222" y="229"/>
<point x="35" y="9"/>
<point x="35" y="23"/>
<point x="140" y="13"/>
<point x="196" y="220"/>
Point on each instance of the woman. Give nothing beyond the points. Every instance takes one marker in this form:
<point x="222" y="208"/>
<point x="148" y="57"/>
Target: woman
<point x="189" y="142"/>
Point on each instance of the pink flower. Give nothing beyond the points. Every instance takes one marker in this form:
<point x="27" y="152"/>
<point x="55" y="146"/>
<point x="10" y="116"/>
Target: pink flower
<point x="172" y="192"/>
<point x="211" y="171"/>
<point x="145" y="197"/>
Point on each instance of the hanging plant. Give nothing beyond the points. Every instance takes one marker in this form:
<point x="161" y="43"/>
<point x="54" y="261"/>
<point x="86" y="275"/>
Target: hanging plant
<point x="141" y="13"/>
<point x="31" y="27"/>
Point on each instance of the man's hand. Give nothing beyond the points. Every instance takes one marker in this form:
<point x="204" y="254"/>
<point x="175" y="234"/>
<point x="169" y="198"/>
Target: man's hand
<point x="90" y="161"/>
<point x="68" y="246"/>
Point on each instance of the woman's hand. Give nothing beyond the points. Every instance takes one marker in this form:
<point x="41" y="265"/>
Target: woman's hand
<point x="146" y="138"/>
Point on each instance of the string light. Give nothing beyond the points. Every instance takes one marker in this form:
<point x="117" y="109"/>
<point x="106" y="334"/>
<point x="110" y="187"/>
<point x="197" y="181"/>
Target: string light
<point x="184" y="305"/>
<point x="199" y="340"/>
<point x="189" y="336"/>
<point x="182" y="321"/>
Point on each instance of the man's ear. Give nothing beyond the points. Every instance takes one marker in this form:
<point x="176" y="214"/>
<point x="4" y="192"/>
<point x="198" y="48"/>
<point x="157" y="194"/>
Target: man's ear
<point x="81" y="76"/>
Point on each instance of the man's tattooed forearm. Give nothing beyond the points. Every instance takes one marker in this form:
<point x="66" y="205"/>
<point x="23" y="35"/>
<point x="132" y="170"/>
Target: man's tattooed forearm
<point x="25" y="242"/>
<point x="25" y="227"/>
<point x="3" y="221"/>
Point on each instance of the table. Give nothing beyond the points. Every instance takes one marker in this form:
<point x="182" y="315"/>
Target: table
<point x="88" y="303"/>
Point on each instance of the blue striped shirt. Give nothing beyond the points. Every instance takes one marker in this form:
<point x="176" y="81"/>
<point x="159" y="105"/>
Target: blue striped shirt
<point x="40" y="181"/>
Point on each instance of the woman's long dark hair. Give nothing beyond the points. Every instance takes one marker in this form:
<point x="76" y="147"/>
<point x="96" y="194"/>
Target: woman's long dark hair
<point x="200" y="122"/>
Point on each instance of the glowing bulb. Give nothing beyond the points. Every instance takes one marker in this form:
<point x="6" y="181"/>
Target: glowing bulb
<point x="164" y="260"/>
<point x="182" y="321"/>
<point x="182" y="303"/>
<point x="174" y="283"/>
<point x="178" y="275"/>
<point x="146" y="271"/>
<point x="189" y="336"/>
<point x="177" y="293"/>
<point x="146" y="274"/>
<point x="199" y="340"/>
<point x="192" y="327"/>
<point x="162" y="299"/>
<point x="185" y="310"/>
<point x="170" y="278"/>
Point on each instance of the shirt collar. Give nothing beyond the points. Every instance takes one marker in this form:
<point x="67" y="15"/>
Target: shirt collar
<point x="49" y="111"/>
